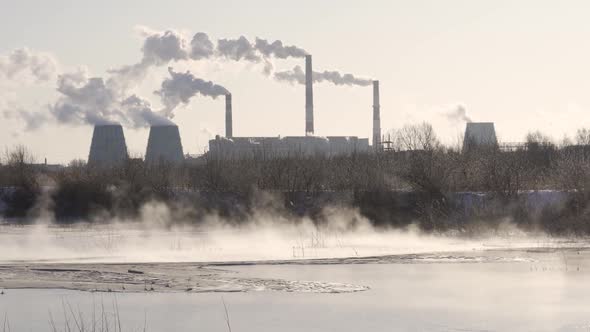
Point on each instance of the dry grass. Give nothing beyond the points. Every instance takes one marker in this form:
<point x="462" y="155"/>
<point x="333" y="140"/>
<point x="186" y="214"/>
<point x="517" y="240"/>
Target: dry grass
<point x="100" y="319"/>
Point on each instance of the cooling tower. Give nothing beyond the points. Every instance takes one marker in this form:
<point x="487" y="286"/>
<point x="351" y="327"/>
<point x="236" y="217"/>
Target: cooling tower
<point x="228" y="116"/>
<point x="164" y="145"/>
<point x="108" y="146"/>
<point x="478" y="135"/>
<point x="376" y="117"/>
<point x="308" y="96"/>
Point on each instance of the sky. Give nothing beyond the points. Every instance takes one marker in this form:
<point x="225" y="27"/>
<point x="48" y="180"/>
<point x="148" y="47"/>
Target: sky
<point x="521" y="64"/>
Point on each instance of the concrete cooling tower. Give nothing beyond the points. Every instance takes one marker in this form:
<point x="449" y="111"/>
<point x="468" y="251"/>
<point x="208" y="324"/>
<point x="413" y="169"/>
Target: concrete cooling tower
<point x="164" y="145"/>
<point x="108" y="146"/>
<point x="479" y="135"/>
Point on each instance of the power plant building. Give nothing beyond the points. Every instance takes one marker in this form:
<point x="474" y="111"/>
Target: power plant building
<point x="479" y="135"/>
<point x="164" y="145"/>
<point x="231" y="147"/>
<point x="108" y="146"/>
<point x="245" y="147"/>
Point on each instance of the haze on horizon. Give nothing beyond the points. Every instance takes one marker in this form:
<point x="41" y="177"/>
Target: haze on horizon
<point x="519" y="64"/>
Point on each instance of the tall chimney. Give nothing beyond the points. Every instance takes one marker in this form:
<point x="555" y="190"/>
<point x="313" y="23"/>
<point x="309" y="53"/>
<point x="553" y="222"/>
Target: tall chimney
<point x="228" y="116"/>
<point x="376" y="117"/>
<point x="308" y="96"/>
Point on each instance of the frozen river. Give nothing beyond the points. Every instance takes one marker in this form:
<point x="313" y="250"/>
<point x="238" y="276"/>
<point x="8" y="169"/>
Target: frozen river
<point x="497" y="290"/>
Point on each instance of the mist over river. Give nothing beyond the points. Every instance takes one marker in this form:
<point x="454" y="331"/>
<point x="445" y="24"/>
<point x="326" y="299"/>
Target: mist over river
<point x="290" y="278"/>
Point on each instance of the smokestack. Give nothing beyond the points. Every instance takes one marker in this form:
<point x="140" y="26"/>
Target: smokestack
<point x="228" y="116"/>
<point x="164" y="145"/>
<point x="308" y="96"/>
<point x="108" y="146"/>
<point x="376" y="117"/>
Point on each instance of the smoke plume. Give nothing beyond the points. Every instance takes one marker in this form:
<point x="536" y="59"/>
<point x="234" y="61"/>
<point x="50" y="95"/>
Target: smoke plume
<point x="278" y="50"/>
<point x="32" y="120"/>
<point x="201" y="46"/>
<point x="159" y="48"/>
<point x="97" y="100"/>
<point x="89" y="100"/>
<point x="26" y="64"/>
<point x="458" y="114"/>
<point x="164" y="47"/>
<point x="181" y="87"/>
<point x="139" y="113"/>
<point x="238" y="49"/>
<point x="242" y="50"/>
<point x="297" y="75"/>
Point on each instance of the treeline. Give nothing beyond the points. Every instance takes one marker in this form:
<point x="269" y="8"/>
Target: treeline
<point x="417" y="180"/>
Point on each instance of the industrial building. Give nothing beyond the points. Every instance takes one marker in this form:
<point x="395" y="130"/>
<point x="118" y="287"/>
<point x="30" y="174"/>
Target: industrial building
<point x="243" y="147"/>
<point x="108" y="146"/>
<point x="479" y="135"/>
<point x="240" y="147"/>
<point x="164" y="145"/>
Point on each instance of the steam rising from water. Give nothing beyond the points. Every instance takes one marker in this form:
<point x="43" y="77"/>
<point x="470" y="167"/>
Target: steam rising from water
<point x="157" y="236"/>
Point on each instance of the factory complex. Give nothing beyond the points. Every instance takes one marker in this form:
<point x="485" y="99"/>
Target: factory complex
<point x="108" y="142"/>
<point x="164" y="144"/>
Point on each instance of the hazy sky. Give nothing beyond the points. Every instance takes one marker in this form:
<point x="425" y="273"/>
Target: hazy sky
<point x="522" y="64"/>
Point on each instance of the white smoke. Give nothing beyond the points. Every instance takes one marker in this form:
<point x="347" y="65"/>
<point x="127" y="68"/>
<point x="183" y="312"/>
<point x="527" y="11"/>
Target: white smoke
<point x="201" y="46"/>
<point x="181" y="87"/>
<point x="89" y="100"/>
<point x="160" y="48"/>
<point x="297" y="75"/>
<point x="32" y="120"/>
<point x="139" y="113"/>
<point x="242" y="50"/>
<point x="238" y="49"/>
<point x="97" y="100"/>
<point x="278" y="50"/>
<point x="25" y="64"/>
<point x="19" y="69"/>
<point x="83" y="100"/>
<point x="458" y="114"/>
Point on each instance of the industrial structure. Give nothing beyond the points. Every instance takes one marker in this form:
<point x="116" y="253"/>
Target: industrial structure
<point x="479" y="135"/>
<point x="241" y="147"/>
<point x="228" y="116"/>
<point x="308" y="96"/>
<point x="164" y="145"/>
<point x="376" y="117"/>
<point x="230" y="147"/>
<point x="108" y="146"/>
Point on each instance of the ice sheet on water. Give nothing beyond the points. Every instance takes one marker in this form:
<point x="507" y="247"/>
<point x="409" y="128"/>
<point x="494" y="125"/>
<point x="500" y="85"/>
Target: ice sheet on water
<point x="165" y="277"/>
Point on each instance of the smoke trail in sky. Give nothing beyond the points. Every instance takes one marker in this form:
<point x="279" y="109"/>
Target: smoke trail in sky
<point x="297" y="75"/>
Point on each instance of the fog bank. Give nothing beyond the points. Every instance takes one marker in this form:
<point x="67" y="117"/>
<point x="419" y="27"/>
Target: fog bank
<point x="156" y="236"/>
